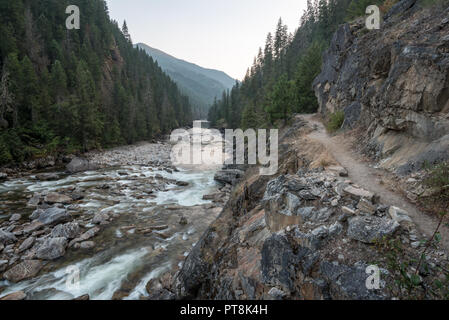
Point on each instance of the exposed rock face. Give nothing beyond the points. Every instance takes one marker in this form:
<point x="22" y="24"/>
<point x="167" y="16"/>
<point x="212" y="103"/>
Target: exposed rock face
<point x="394" y="82"/>
<point x="228" y="176"/>
<point x="303" y="234"/>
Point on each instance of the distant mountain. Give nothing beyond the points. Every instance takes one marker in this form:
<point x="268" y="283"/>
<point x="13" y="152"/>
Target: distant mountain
<point x="201" y="85"/>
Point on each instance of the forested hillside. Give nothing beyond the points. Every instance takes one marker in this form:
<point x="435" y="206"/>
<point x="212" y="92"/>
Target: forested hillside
<point x="72" y="90"/>
<point x="280" y="81"/>
<point x="201" y="85"/>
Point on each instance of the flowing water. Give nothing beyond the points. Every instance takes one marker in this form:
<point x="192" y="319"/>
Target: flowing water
<point x="124" y="259"/>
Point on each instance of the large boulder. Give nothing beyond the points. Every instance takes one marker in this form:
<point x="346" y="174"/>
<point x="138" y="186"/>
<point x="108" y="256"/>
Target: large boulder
<point x="370" y="228"/>
<point x="80" y="165"/>
<point x="51" y="216"/>
<point x="24" y="270"/>
<point x="52" y="248"/>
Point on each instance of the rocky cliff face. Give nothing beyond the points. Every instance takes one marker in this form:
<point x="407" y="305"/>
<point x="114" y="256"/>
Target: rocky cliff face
<point x="394" y="83"/>
<point x="307" y="233"/>
<point x="311" y="233"/>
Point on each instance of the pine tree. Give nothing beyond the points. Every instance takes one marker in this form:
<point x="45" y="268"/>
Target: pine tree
<point x="126" y="32"/>
<point x="87" y="108"/>
<point x="308" y="69"/>
<point x="280" y="39"/>
<point x="6" y="97"/>
<point x="58" y="81"/>
<point x="281" y="100"/>
<point x="30" y="90"/>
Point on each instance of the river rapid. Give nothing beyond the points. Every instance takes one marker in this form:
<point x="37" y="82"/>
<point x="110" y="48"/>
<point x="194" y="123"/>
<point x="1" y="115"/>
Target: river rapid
<point x="154" y="215"/>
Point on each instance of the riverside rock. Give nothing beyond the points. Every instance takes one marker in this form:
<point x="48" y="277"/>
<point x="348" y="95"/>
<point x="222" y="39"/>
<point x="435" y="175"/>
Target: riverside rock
<point x="7" y="237"/>
<point x="51" y="216"/>
<point x="54" y="197"/>
<point x="15" y="217"/>
<point x="100" y="218"/>
<point x="80" y="165"/>
<point x="26" y="244"/>
<point x="69" y="230"/>
<point x="52" y="248"/>
<point x="24" y="270"/>
<point x="15" y="296"/>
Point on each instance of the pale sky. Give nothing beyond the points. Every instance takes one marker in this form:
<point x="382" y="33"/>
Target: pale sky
<point x="216" y="34"/>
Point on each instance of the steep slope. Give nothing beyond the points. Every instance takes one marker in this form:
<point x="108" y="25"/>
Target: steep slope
<point x="394" y="84"/>
<point x="308" y="233"/>
<point x="65" y="91"/>
<point x="200" y="84"/>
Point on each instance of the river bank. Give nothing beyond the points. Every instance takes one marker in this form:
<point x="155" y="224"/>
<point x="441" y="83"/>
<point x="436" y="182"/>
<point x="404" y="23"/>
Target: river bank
<point x="131" y="218"/>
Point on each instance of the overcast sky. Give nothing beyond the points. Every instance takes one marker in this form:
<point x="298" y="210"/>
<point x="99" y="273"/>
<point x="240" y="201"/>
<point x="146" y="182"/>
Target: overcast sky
<point x="217" y="34"/>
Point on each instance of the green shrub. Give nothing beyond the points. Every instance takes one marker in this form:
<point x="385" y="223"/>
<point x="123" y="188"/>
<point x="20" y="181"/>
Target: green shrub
<point x="438" y="179"/>
<point x="5" y="155"/>
<point x="335" y="121"/>
<point x="357" y="8"/>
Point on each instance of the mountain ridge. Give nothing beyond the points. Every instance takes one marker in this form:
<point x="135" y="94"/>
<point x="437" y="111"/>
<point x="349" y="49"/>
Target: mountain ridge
<point x="202" y="85"/>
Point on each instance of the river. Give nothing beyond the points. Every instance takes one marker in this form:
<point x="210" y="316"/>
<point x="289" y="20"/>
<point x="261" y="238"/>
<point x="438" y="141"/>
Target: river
<point x="128" y="252"/>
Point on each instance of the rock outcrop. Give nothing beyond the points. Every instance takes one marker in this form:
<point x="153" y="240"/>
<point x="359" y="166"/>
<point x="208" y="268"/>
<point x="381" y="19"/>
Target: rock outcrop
<point x="394" y="83"/>
<point x="306" y="233"/>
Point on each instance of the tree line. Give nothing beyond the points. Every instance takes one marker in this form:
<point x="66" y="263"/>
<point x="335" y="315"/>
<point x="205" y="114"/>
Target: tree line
<point x="279" y="83"/>
<point x="66" y="91"/>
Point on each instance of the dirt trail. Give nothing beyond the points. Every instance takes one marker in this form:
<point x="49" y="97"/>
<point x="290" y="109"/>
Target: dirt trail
<point x="368" y="178"/>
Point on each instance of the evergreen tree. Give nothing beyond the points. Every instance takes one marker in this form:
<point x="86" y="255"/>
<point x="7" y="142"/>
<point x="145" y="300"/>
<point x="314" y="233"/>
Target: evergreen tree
<point x="280" y="80"/>
<point x="126" y="31"/>
<point x="308" y="69"/>
<point x="281" y="100"/>
<point x="6" y="97"/>
<point x="79" y="89"/>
